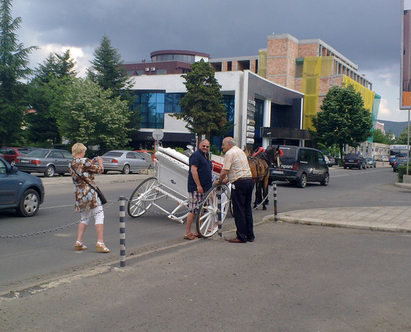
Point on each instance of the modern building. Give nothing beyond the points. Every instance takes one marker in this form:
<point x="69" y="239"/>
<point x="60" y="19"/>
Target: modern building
<point x="270" y="97"/>
<point x="309" y="66"/>
<point x="252" y="102"/>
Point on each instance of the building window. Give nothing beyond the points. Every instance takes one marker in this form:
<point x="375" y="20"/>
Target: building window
<point x="153" y="105"/>
<point x="299" y="67"/>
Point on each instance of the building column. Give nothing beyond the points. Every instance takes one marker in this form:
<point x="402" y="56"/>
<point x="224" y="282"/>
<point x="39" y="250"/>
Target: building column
<point x="266" y="121"/>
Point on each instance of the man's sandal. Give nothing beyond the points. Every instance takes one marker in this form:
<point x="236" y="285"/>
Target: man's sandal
<point x="189" y="236"/>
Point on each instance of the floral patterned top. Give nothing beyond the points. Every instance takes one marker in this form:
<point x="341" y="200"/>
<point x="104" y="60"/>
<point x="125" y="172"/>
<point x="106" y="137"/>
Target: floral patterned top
<point x="86" y="197"/>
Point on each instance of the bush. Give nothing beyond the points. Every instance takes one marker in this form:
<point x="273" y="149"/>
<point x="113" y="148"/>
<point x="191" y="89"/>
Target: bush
<point x="402" y="170"/>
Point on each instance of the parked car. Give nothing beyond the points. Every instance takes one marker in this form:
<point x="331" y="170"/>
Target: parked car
<point x="149" y="156"/>
<point x="300" y="165"/>
<point x="392" y="160"/>
<point x="370" y="162"/>
<point x="124" y="161"/>
<point x="398" y="162"/>
<point x="11" y="154"/>
<point x="19" y="190"/>
<point x="330" y="160"/>
<point x="47" y="161"/>
<point x="353" y="160"/>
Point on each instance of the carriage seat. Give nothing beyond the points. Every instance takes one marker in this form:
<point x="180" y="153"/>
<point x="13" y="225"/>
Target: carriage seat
<point x="259" y="150"/>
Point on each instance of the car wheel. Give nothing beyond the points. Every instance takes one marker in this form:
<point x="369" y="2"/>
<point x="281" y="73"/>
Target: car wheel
<point x="126" y="169"/>
<point x="29" y="203"/>
<point x="302" y="182"/>
<point x="325" y="180"/>
<point x="50" y="171"/>
<point x="345" y="167"/>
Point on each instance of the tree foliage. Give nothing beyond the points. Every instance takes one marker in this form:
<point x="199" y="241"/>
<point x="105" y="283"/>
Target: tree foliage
<point x="13" y="68"/>
<point x="202" y="106"/>
<point x="403" y="138"/>
<point x="380" y="137"/>
<point x="107" y="72"/>
<point x="342" y="119"/>
<point x="55" y="70"/>
<point x="89" y="114"/>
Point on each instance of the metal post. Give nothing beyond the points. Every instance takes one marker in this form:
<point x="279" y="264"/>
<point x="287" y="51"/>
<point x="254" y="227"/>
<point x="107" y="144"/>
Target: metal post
<point x="122" y="214"/>
<point x="275" y="201"/>
<point x="219" y="212"/>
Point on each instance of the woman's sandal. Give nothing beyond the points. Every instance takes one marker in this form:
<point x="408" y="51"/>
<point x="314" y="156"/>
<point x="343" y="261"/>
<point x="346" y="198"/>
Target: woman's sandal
<point x="80" y="246"/>
<point x="189" y="236"/>
<point x="101" y="247"/>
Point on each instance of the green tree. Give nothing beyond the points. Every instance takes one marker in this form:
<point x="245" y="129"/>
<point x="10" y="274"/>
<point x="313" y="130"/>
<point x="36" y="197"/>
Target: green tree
<point x="380" y="137"/>
<point x="202" y="106"/>
<point x="55" y="70"/>
<point x="13" y="68"/>
<point x="403" y="138"/>
<point x="89" y="114"/>
<point x="107" y="72"/>
<point x="342" y="119"/>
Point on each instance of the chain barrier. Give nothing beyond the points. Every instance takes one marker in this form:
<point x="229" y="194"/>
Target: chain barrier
<point x="107" y="207"/>
<point x="270" y="190"/>
<point x="51" y="230"/>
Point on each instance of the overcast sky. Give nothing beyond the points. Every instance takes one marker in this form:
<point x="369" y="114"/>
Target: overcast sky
<point x="368" y="32"/>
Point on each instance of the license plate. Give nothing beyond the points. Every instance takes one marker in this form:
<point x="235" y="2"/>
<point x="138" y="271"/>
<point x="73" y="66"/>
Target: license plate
<point x="277" y="172"/>
<point x="24" y="161"/>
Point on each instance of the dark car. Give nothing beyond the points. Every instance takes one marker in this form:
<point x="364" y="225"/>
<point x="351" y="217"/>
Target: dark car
<point x="353" y="160"/>
<point x="12" y="154"/>
<point x="47" y="161"/>
<point x="392" y="160"/>
<point x="399" y="161"/>
<point x="19" y="190"/>
<point x="300" y="165"/>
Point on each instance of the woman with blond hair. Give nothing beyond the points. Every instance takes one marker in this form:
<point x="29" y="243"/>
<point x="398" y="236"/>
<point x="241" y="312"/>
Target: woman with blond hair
<point x="87" y="203"/>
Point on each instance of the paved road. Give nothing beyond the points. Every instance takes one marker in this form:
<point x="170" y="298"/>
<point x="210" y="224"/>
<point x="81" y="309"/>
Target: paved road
<point x="292" y="278"/>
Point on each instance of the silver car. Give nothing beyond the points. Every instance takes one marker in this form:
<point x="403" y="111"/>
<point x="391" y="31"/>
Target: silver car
<point x="46" y="161"/>
<point x="124" y="161"/>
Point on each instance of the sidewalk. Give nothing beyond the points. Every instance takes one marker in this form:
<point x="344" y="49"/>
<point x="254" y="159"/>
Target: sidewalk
<point x="377" y="218"/>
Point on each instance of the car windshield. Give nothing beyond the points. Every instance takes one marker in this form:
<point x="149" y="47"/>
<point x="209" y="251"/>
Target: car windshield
<point x="37" y="153"/>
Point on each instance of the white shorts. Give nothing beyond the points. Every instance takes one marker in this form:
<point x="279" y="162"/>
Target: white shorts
<point x="97" y="213"/>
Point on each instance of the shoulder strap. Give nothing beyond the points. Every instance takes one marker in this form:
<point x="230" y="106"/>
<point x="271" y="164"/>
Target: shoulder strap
<point x="82" y="178"/>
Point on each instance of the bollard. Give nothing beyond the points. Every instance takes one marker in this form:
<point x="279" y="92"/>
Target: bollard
<point x="219" y="212"/>
<point x="122" y="214"/>
<point x="275" y="201"/>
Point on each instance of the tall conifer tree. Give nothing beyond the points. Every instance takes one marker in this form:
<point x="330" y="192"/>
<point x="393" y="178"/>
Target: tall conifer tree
<point x="13" y="68"/>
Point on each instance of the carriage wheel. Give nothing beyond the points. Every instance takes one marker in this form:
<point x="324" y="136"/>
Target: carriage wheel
<point x="207" y="217"/>
<point x="142" y="197"/>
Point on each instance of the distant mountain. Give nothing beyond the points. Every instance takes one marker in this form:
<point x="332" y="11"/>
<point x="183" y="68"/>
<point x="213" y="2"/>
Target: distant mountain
<point x="395" y="127"/>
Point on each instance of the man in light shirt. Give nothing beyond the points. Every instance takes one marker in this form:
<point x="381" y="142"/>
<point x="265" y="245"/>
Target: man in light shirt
<point x="237" y="171"/>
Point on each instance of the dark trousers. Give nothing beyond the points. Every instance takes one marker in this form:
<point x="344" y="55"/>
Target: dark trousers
<point x="241" y="197"/>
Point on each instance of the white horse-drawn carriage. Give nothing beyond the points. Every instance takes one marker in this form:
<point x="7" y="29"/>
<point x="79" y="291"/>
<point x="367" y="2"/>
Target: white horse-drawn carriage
<point x="171" y="184"/>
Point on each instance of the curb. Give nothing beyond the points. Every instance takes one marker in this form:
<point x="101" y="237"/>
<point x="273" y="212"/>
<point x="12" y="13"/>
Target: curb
<point x="340" y="224"/>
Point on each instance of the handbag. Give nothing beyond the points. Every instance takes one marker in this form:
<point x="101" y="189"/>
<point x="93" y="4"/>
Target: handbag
<point x="100" y="194"/>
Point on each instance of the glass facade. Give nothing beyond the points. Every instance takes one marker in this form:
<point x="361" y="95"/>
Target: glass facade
<point x="258" y="118"/>
<point x="173" y="57"/>
<point x="153" y="106"/>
